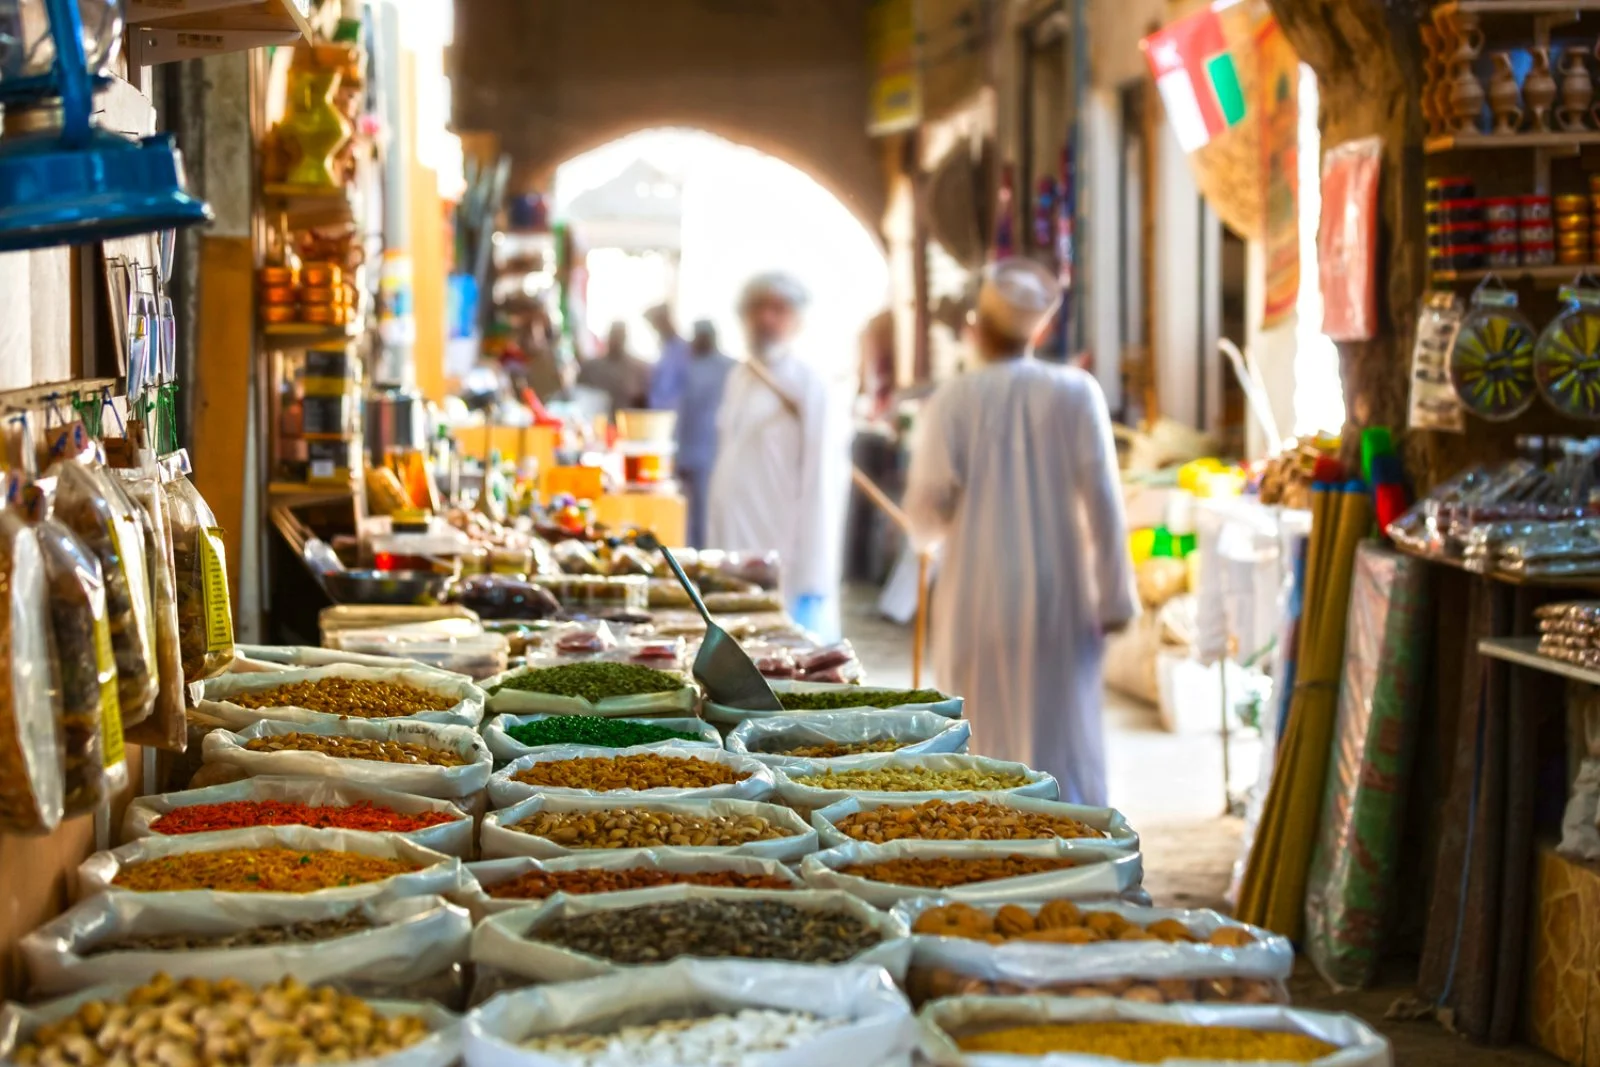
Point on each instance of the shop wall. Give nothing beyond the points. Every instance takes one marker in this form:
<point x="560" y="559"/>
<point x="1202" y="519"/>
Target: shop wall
<point x="559" y="77"/>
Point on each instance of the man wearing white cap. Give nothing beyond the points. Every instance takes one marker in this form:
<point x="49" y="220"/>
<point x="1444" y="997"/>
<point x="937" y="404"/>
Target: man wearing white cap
<point x="1014" y="470"/>
<point x="782" y="478"/>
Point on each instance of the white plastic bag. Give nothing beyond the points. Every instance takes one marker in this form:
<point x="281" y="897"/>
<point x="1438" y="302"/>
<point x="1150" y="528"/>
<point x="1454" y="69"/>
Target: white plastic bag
<point x="1108" y="820"/>
<point x="436" y="873"/>
<point x="506" y="748"/>
<point x="487" y="874"/>
<point x="428" y="780"/>
<point x="1104" y="873"/>
<point x="497" y="839"/>
<point x="1034" y="964"/>
<point x="676" y="703"/>
<point x="880" y="1030"/>
<point x="950" y="707"/>
<point x="441" y="1049"/>
<point x="412" y="939"/>
<point x="453" y="838"/>
<point x="920" y="732"/>
<point x="505" y="790"/>
<point x="809" y="798"/>
<point x="466" y="708"/>
<point x="500" y="943"/>
<point x="1359" y="1045"/>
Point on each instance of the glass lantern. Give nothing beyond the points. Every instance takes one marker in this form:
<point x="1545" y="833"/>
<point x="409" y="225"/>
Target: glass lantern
<point x="28" y="51"/>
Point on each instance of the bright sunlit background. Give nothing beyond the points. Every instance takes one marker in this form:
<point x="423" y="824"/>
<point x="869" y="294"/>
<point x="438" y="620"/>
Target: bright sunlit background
<point x="743" y="212"/>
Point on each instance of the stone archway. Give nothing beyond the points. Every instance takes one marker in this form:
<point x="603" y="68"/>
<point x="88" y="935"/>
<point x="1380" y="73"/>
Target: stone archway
<point x="788" y="77"/>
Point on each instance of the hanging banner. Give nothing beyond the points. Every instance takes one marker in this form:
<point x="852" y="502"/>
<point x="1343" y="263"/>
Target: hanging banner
<point x="1347" y="242"/>
<point x="892" y="52"/>
<point x="1278" y="110"/>
<point x="1197" y="77"/>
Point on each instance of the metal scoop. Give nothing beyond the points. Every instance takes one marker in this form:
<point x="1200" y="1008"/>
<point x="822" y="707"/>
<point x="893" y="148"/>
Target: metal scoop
<point x="725" y="669"/>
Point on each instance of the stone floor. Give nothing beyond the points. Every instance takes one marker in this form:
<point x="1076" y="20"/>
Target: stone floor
<point x="1170" y="788"/>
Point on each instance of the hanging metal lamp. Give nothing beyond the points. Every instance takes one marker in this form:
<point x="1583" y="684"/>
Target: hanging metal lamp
<point x="63" y="180"/>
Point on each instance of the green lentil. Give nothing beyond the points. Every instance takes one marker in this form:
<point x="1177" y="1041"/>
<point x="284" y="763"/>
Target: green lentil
<point x="592" y="730"/>
<point x="594" y="681"/>
<point x="833" y="699"/>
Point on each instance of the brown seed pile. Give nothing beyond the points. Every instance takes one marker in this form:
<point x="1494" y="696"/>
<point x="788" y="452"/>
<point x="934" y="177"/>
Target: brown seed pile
<point x="1148" y="1042"/>
<point x="250" y="937"/>
<point x="222" y="1024"/>
<point x="603" y="774"/>
<point x="364" y="748"/>
<point x="648" y="828"/>
<point x="913" y="779"/>
<point x="536" y="885"/>
<point x="970" y="820"/>
<point x="931" y="983"/>
<point x="750" y="929"/>
<point x="359" y="697"/>
<point x="829" y="750"/>
<point x="942" y="872"/>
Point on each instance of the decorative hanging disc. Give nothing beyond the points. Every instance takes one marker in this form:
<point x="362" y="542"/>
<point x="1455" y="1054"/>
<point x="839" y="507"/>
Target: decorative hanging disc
<point x="1566" y="358"/>
<point x="1491" y="362"/>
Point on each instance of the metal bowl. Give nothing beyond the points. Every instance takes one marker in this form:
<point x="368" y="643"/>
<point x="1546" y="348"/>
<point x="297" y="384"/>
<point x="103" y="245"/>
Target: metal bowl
<point x="386" y="587"/>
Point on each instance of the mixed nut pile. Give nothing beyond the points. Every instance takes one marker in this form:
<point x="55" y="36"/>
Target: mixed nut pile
<point x="750" y="929"/>
<point x="362" y="698"/>
<point x="648" y="828"/>
<point x="363" y="748"/>
<point x="913" y="779"/>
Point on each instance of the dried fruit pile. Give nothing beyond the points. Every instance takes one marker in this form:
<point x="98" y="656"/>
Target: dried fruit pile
<point x="536" y="885"/>
<point x="364" y="698"/>
<point x="643" y="770"/>
<point x="967" y="820"/>
<point x="942" y="872"/>
<point x="236" y="814"/>
<point x="258" y="870"/>
<point x="364" y="748"/>
<point x="913" y="779"/>
<point x="648" y="828"/>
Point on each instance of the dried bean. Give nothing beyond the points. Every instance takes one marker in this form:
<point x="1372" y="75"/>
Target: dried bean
<point x="944" y="820"/>
<point x="363" y="748"/>
<point x="640" y="771"/>
<point x="750" y="929"/>
<point x="536" y="885"/>
<point x="363" y="698"/>
<point x="942" y="872"/>
<point x="648" y="828"/>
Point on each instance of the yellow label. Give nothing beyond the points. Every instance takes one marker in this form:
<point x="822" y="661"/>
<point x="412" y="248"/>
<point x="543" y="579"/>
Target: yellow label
<point x="219" y="609"/>
<point x="110" y="703"/>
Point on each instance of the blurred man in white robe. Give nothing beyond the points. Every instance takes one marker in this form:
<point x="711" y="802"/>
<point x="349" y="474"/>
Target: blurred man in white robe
<point x="782" y="477"/>
<point x="1014" y="471"/>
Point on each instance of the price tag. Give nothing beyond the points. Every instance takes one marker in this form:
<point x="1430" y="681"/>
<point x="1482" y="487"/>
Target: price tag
<point x="214" y="572"/>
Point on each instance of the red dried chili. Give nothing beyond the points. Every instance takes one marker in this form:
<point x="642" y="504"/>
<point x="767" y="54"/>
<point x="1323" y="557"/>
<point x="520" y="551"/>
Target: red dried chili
<point x="237" y="814"/>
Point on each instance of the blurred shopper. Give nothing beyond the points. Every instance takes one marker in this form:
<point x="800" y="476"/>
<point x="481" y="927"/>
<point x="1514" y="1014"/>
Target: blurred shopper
<point x="1014" y="469"/>
<point x="623" y="378"/>
<point x="704" y="378"/>
<point x="666" y="382"/>
<point x="781" y="479"/>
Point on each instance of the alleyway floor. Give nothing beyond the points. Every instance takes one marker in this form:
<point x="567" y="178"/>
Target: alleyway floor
<point x="1170" y="788"/>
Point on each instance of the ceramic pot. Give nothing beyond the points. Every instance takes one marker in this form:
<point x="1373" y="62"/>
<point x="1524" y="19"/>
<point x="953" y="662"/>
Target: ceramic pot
<point x="314" y="126"/>
<point x="1466" y="100"/>
<point x="1539" y="88"/>
<point x="1505" y="100"/>
<point x="1577" y="91"/>
<point x="1467" y="35"/>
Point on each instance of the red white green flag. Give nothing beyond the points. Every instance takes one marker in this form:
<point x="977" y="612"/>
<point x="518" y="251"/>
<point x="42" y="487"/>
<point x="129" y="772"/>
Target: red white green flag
<point x="1197" y="78"/>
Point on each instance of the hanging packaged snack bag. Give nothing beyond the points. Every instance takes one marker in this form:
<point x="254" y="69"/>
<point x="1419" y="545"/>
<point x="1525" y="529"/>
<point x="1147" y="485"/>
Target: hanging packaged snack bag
<point x="205" y="614"/>
<point x="30" y="710"/>
<point x="166" y="727"/>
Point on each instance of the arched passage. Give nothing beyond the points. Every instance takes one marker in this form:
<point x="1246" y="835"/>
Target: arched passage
<point x="742" y="211"/>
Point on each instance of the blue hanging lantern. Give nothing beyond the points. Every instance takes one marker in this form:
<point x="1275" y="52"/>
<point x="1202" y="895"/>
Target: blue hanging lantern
<point x="64" y="180"/>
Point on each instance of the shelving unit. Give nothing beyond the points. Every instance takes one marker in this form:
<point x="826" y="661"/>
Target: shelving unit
<point x="306" y="334"/>
<point x="310" y="208"/>
<point x="1523" y="651"/>
<point x="1567" y="141"/>
<point x="1555" y="274"/>
<point x="172" y="30"/>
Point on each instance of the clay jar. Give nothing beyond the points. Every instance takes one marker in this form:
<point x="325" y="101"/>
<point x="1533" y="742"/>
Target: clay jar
<point x="1539" y="88"/>
<point x="1505" y="99"/>
<point x="1577" y="91"/>
<point x="1466" y="99"/>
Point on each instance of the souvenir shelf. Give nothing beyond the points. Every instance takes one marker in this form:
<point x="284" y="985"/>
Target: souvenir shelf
<point x="171" y="30"/>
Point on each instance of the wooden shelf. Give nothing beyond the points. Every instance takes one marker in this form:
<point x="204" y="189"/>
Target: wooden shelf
<point x="306" y="489"/>
<point x="1453" y="142"/>
<point x="1523" y="651"/>
<point x="172" y="30"/>
<point x="1560" y="273"/>
<point x="308" y="207"/>
<point x="1582" y="583"/>
<point x="305" y="334"/>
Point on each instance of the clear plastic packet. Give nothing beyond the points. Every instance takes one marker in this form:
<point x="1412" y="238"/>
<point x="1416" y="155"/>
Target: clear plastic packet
<point x="165" y="728"/>
<point x="30" y="710"/>
<point x="205" y="612"/>
<point x="85" y="669"/>
<point x="87" y="504"/>
<point x="575" y="557"/>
